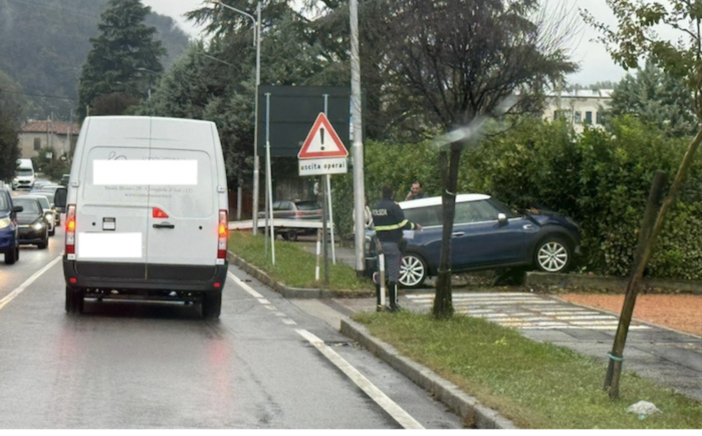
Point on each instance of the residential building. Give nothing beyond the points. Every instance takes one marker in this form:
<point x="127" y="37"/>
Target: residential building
<point x="59" y="135"/>
<point x="579" y="107"/>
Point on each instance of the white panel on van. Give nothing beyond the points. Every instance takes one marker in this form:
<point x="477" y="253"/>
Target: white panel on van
<point x="145" y="172"/>
<point x="109" y="245"/>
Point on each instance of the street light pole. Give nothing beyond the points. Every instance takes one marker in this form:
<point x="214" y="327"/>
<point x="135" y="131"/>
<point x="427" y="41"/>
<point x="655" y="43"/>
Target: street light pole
<point x="257" y="164"/>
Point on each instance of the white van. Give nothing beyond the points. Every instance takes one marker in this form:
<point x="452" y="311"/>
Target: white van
<point x="24" y="175"/>
<point x="147" y="213"/>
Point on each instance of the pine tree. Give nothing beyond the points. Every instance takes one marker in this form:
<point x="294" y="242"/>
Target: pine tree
<point x="122" y="65"/>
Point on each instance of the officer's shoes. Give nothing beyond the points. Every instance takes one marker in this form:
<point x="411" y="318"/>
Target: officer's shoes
<point x="380" y="308"/>
<point x="394" y="308"/>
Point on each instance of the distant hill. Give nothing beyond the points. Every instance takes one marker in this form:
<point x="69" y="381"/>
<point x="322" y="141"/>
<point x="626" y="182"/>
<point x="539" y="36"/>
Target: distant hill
<point x="44" y="43"/>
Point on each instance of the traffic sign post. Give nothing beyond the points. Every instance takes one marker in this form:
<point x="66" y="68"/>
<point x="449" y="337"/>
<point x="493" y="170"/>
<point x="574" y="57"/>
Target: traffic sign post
<point x="323" y="153"/>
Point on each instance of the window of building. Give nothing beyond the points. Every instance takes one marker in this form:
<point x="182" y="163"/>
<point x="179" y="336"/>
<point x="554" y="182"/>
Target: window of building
<point x="577" y="117"/>
<point x="588" y="118"/>
<point x="37" y="144"/>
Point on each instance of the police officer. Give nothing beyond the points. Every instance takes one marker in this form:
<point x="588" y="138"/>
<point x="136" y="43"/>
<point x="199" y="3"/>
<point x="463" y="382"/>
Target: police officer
<point x="389" y="222"/>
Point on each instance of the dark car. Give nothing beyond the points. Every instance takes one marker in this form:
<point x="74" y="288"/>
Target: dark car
<point x="9" y="230"/>
<point x="486" y="235"/>
<point x="33" y="229"/>
<point x="64" y="180"/>
<point x="295" y="210"/>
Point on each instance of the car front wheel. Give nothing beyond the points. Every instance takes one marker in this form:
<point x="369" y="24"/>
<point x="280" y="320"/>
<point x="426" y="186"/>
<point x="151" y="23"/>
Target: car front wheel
<point x="553" y="255"/>
<point x="413" y="271"/>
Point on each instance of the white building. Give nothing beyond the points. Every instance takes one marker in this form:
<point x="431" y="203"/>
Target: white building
<point x="579" y="107"/>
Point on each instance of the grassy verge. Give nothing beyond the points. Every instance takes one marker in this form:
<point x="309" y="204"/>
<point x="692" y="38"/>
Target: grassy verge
<point x="294" y="266"/>
<point x="535" y="385"/>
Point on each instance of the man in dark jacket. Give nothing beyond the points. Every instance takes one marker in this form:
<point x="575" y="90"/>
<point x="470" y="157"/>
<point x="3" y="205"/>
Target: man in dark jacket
<point x="389" y="222"/>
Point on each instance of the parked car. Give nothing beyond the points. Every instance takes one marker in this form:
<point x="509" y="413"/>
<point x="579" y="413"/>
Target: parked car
<point x="33" y="229"/>
<point x="486" y="235"/>
<point x="9" y="229"/>
<point x="295" y="210"/>
<point x="49" y="212"/>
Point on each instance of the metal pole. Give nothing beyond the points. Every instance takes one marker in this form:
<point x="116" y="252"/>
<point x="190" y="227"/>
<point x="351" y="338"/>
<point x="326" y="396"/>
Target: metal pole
<point x="357" y="144"/>
<point x="257" y="163"/>
<point x="329" y="198"/>
<point x="269" y="178"/>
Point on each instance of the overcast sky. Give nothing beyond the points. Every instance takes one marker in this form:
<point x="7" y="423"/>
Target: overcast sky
<point x="595" y="63"/>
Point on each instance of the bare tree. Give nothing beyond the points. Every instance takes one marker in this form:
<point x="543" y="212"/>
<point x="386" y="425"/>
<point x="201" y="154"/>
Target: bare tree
<point x="463" y="59"/>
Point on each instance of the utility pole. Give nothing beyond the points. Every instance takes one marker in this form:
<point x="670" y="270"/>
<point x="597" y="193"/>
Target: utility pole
<point x="359" y="196"/>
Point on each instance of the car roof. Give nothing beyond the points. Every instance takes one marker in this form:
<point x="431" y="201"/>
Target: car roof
<point x="433" y="201"/>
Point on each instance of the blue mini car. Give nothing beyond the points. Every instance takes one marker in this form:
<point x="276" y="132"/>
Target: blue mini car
<point x="486" y="235"/>
<point x="9" y="236"/>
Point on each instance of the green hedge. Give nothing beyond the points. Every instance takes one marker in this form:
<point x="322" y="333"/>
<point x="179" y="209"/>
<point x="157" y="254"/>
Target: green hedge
<point x="601" y="179"/>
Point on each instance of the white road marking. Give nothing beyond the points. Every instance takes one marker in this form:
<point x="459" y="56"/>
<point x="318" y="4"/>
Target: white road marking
<point x="392" y="408"/>
<point x="288" y="321"/>
<point x="244" y="286"/>
<point x="11" y="296"/>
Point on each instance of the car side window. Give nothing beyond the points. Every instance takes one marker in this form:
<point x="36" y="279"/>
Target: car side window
<point x="425" y="216"/>
<point x="474" y="212"/>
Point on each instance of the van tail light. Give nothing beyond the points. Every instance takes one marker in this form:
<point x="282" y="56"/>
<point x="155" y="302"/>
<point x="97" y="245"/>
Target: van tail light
<point x="71" y="229"/>
<point x="223" y="234"/>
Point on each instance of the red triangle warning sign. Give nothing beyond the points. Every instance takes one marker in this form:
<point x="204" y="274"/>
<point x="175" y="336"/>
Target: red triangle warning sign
<point x="322" y="141"/>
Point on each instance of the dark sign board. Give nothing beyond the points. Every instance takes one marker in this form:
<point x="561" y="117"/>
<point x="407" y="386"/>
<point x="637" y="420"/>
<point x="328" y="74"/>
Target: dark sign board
<point x="293" y="111"/>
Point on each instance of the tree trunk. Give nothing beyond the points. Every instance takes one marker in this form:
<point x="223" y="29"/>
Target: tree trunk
<point x="448" y="165"/>
<point x="612" y="379"/>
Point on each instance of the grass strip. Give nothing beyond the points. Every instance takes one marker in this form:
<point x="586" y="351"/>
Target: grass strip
<point x="536" y="385"/>
<point x="295" y="265"/>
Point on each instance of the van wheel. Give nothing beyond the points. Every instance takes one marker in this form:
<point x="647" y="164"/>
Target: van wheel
<point x="291" y="235"/>
<point x="12" y="256"/>
<point x="74" y="300"/>
<point x="211" y="304"/>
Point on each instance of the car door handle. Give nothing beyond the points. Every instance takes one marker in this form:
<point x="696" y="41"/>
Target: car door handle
<point x="164" y="226"/>
<point x="457" y="234"/>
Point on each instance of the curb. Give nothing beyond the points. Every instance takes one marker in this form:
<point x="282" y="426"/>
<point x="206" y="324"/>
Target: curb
<point x="286" y="291"/>
<point x="565" y="281"/>
<point x="473" y="414"/>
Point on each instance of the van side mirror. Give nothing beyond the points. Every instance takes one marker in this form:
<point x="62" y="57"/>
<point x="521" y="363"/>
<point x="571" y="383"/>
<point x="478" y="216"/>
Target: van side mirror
<point x="501" y="218"/>
<point x="60" y="199"/>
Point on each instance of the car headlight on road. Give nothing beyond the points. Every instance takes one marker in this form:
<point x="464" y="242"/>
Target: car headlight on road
<point x="5" y="222"/>
<point x="38" y="225"/>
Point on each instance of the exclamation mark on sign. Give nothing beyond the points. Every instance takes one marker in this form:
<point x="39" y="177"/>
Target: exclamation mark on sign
<point x="321" y="137"/>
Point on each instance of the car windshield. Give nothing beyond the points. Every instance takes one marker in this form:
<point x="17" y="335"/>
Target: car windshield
<point x="49" y="196"/>
<point x="307" y="205"/>
<point x="30" y="205"/>
<point x="24" y="172"/>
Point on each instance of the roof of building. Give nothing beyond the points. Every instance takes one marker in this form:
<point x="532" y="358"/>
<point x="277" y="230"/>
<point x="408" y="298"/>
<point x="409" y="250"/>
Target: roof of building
<point x="57" y="127"/>
<point x="582" y="93"/>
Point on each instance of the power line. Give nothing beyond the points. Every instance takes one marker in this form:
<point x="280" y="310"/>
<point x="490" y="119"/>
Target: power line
<point x="39" y="95"/>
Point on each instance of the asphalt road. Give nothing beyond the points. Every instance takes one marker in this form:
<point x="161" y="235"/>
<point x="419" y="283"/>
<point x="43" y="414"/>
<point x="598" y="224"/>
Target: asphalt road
<point x="268" y="363"/>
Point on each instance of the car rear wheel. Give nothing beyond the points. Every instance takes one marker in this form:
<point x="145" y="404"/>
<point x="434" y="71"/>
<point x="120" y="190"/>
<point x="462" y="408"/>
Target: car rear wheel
<point x="211" y="305"/>
<point x="553" y="255"/>
<point x="413" y="271"/>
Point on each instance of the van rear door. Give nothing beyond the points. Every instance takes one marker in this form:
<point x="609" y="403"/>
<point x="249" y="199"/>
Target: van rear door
<point x="183" y="208"/>
<point x="112" y="215"/>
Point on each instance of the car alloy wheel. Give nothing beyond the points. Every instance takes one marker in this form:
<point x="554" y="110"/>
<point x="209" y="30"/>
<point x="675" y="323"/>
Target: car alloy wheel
<point x="553" y="255"/>
<point x="413" y="271"/>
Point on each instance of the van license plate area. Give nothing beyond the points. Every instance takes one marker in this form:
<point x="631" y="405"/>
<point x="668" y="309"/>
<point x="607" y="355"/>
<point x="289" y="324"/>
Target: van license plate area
<point x="109" y="224"/>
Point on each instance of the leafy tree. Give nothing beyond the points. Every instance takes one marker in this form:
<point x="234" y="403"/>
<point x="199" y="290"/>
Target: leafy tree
<point x="638" y="36"/>
<point x="657" y="99"/>
<point x="11" y="106"/>
<point x="43" y="43"/>
<point x="463" y="59"/>
<point x="123" y="57"/>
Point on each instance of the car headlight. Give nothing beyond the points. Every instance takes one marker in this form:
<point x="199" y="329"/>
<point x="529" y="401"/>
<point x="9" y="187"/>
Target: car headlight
<point x="5" y="222"/>
<point x="38" y="225"/>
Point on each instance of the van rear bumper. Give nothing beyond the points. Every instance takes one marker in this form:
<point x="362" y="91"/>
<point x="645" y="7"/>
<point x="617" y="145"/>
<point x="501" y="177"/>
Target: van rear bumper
<point x="133" y="276"/>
